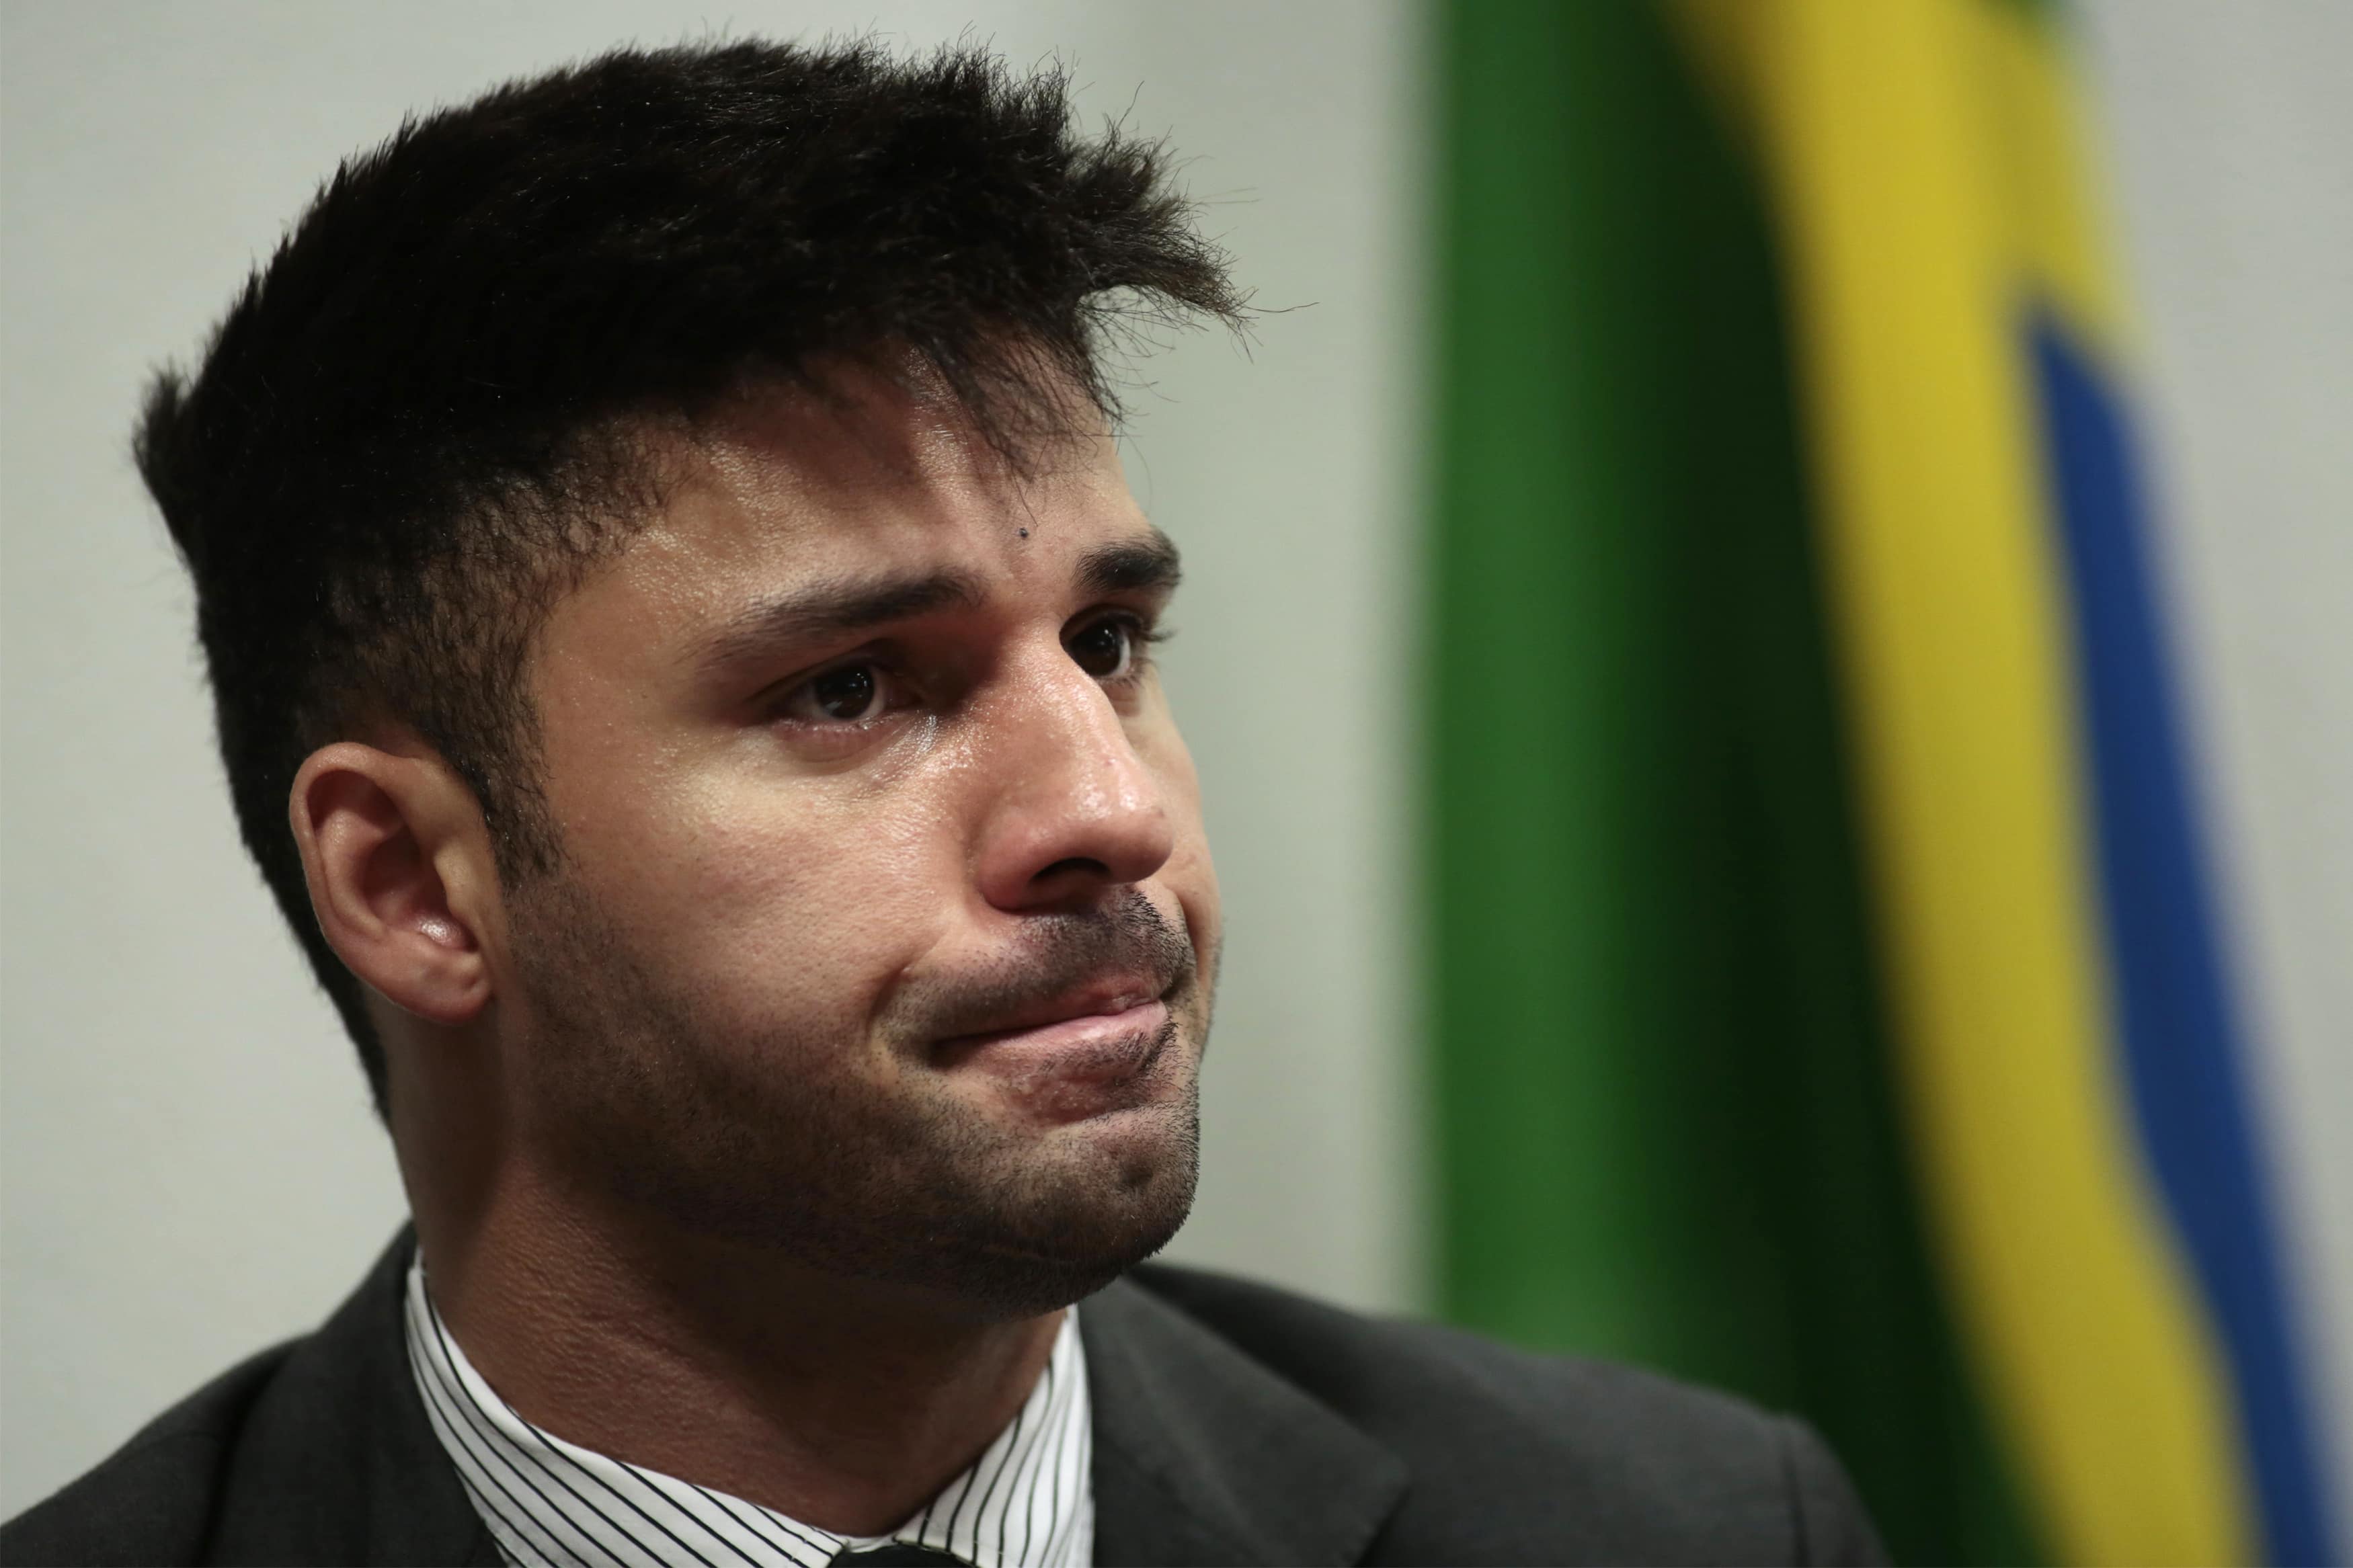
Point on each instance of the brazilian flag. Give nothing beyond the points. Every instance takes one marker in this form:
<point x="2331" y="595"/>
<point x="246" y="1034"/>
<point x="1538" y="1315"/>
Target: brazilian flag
<point x="1828" y="1003"/>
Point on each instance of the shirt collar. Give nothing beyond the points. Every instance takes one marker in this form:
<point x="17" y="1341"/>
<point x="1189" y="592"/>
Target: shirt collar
<point x="1028" y="1499"/>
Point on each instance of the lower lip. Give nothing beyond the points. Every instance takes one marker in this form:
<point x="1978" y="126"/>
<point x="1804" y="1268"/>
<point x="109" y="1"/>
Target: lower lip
<point x="1065" y="1059"/>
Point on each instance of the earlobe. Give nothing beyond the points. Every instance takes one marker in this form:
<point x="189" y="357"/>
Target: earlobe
<point x="392" y="875"/>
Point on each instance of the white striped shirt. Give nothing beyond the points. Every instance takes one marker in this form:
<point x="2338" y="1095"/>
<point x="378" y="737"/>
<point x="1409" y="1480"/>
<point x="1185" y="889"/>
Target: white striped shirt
<point x="1028" y="1501"/>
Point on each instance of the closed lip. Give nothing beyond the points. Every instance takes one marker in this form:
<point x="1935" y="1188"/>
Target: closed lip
<point x="1106" y="1005"/>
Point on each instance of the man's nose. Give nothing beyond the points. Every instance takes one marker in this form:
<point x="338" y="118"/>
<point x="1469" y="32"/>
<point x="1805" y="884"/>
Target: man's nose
<point x="1072" y="807"/>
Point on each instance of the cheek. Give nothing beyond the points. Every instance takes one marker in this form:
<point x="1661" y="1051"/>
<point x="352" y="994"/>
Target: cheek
<point x="1190" y="873"/>
<point x="769" y="895"/>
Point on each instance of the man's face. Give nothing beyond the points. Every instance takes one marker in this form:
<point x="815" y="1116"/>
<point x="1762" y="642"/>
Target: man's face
<point x="887" y="931"/>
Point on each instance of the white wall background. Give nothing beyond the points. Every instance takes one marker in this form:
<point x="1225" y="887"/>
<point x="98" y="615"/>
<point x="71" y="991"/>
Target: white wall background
<point x="2229" y="133"/>
<point x="187" y="1166"/>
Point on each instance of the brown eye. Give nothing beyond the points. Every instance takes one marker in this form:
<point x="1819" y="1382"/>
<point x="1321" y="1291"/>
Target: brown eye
<point x="1104" y="648"/>
<point x="845" y="695"/>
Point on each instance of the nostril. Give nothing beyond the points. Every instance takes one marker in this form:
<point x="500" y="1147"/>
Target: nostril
<point x="1075" y="864"/>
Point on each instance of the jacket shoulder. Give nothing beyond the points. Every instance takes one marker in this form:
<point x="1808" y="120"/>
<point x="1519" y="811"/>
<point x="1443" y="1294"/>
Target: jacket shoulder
<point x="317" y="1451"/>
<point x="153" y="1500"/>
<point x="1519" y="1457"/>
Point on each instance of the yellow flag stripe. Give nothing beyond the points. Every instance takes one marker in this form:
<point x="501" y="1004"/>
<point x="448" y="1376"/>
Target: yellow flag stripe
<point x="1913" y="149"/>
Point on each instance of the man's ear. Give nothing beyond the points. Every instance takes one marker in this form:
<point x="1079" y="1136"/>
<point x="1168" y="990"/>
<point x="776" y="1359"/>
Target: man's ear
<point x="399" y="864"/>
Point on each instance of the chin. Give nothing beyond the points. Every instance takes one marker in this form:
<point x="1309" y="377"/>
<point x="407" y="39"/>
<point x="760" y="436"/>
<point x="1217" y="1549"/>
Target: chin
<point x="1099" y="1197"/>
<point x="1010" y="1182"/>
<point x="985" y="1217"/>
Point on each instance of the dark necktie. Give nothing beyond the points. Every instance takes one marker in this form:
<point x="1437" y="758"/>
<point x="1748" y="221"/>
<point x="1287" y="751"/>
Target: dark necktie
<point x="895" y="1555"/>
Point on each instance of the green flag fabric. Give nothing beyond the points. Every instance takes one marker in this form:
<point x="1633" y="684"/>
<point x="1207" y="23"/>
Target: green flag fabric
<point x="1667" y="1130"/>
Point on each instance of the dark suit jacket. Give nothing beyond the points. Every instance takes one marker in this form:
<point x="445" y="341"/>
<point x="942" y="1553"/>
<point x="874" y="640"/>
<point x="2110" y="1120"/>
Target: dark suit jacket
<point x="1233" y="1423"/>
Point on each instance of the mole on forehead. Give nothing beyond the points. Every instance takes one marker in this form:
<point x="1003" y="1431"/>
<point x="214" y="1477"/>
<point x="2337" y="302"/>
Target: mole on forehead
<point x="729" y="496"/>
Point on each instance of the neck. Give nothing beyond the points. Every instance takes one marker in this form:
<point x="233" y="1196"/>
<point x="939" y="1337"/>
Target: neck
<point x="837" y="1403"/>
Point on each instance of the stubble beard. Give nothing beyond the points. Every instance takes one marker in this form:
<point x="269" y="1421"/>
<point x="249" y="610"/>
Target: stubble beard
<point x="646" y="1096"/>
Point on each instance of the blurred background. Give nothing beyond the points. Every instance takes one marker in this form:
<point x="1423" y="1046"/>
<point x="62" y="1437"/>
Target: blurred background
<point x="1767" y="633"/>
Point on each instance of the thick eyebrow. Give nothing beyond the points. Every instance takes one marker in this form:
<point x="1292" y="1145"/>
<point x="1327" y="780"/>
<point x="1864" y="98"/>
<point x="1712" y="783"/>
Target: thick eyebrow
<point x="1132" y="565"/>
<point x="837" y="608"/>
<point x="833" y="608"/>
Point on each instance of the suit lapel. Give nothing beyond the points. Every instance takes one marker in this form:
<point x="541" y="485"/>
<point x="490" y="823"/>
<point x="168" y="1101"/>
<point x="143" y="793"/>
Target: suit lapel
<point x="338" y="1463"/>
<point x="1202" y="1456"/>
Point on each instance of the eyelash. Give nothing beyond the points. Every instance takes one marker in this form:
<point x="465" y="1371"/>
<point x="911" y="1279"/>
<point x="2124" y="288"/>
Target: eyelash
<point x="1143" y="636"/>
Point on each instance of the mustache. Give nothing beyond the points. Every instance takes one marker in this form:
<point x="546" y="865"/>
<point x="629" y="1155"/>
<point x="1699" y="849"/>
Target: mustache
<point x="1057" y="953"/>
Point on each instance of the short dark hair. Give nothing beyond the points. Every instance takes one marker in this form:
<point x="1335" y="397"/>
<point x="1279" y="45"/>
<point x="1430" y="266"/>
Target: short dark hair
<point x="399" y="446"/>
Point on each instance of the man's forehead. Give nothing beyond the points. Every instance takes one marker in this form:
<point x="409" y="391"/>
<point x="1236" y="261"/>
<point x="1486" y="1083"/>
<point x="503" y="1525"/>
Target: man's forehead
<point x="790" y="517"/>
<point x="867" y="467"/>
